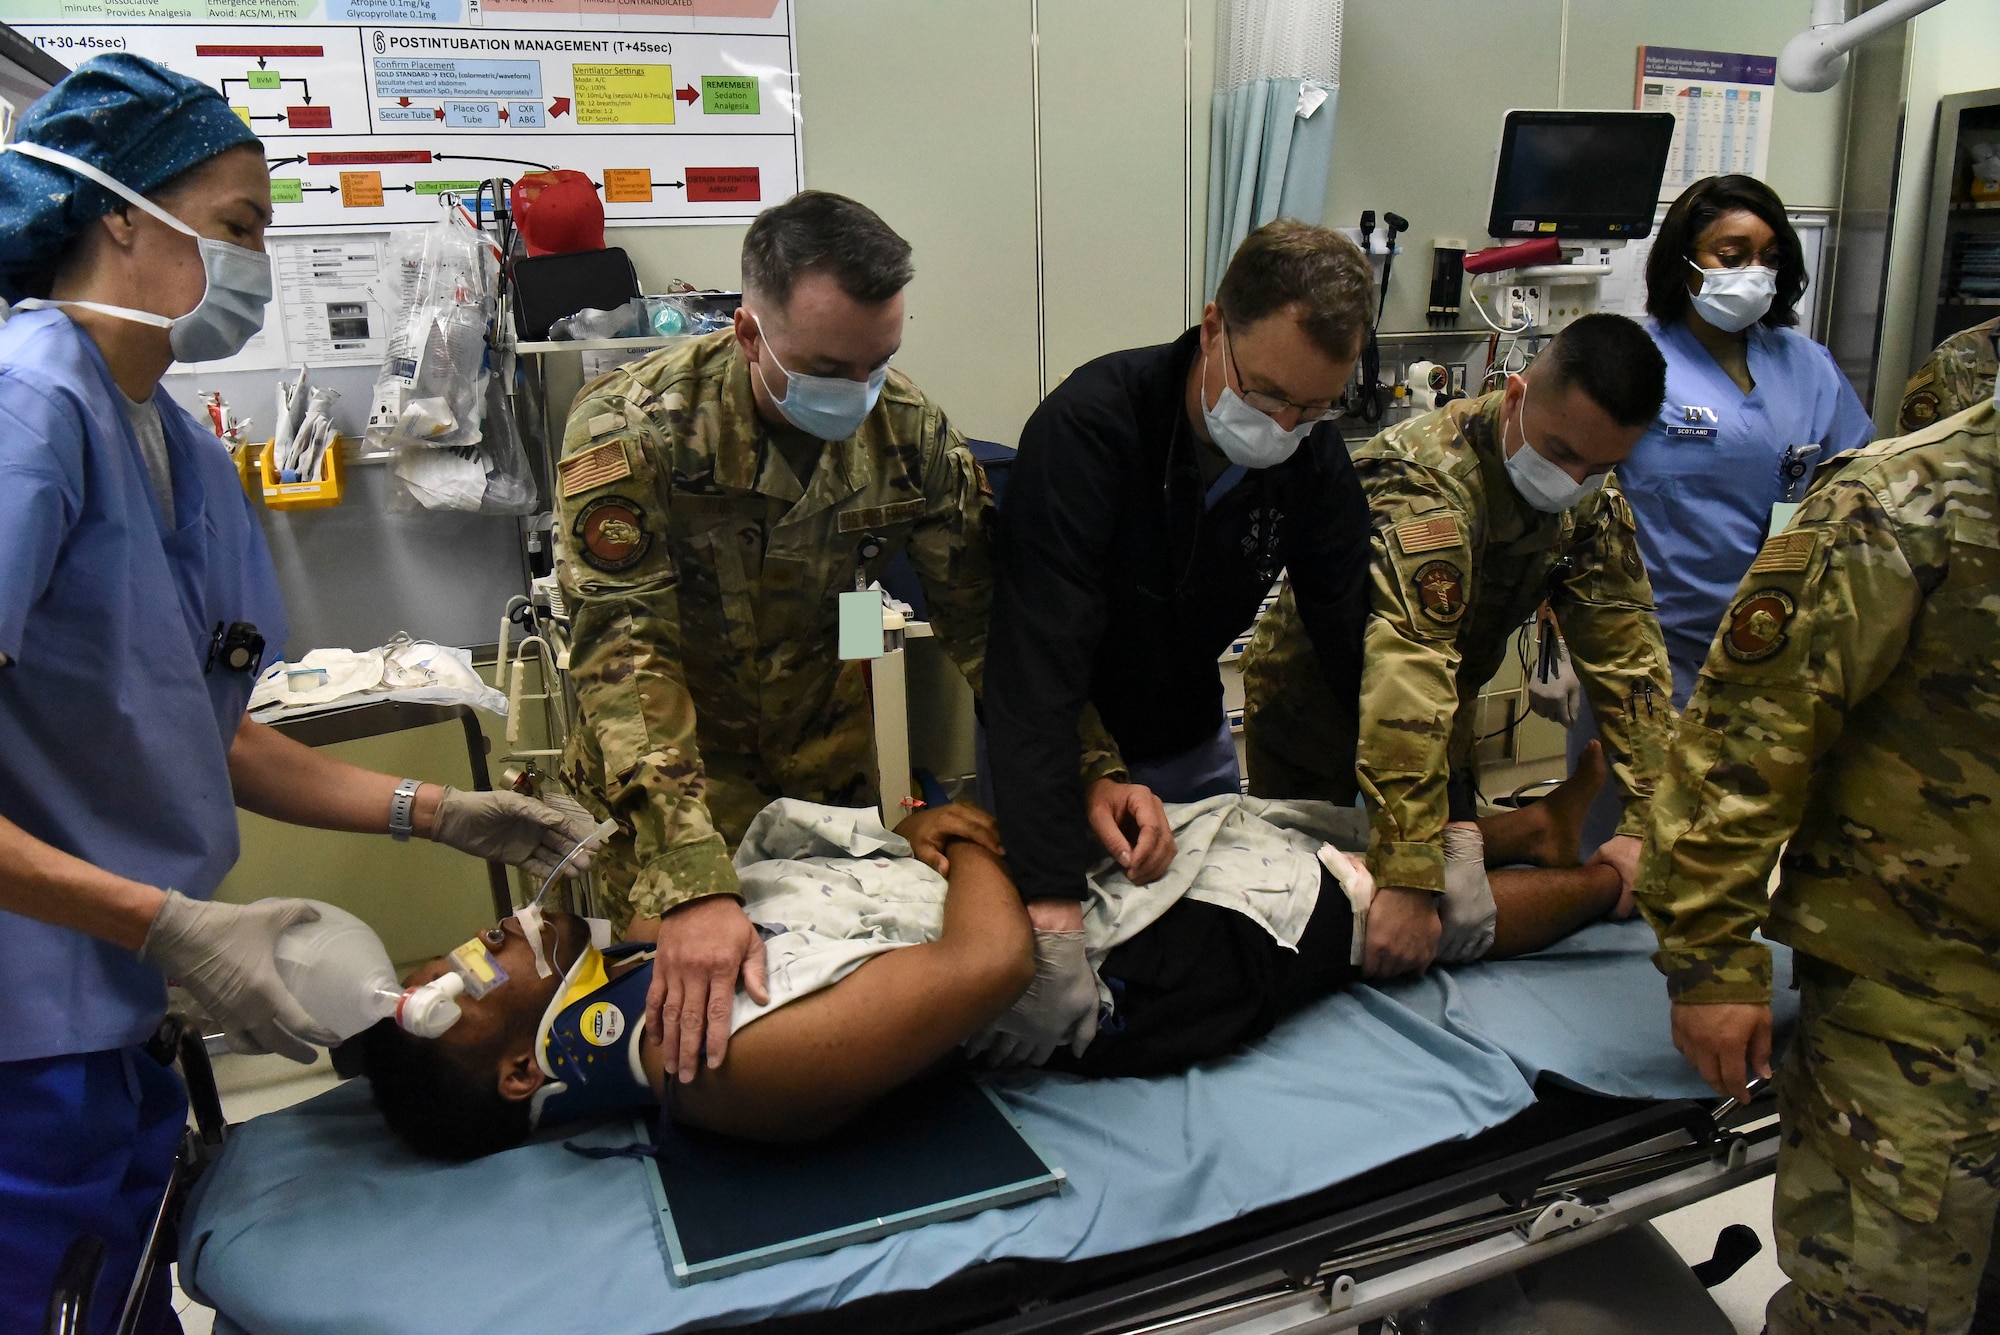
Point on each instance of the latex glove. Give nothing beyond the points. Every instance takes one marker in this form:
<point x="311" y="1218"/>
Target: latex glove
<point x="1560" y="698"/>
<point x="507" y="827"/>
<point x="1059" y="1008"/>
<point x="1466" y="907"/>
<point x="225" y="956"/>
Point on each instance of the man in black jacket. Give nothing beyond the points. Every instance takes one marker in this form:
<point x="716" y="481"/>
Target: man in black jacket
<point x="1157" y="495"/>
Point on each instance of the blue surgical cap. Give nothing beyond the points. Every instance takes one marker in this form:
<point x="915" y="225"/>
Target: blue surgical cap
<point x="134" y="121"/>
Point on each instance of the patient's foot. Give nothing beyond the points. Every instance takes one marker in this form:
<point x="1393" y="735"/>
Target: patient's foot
<point x="1546" y="832"/>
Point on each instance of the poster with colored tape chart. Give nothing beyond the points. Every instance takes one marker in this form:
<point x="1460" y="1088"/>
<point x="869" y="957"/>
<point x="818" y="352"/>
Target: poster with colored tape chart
<point x="680" y="111"/>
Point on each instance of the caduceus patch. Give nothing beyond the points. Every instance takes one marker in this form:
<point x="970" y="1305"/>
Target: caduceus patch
<point x="1441" y="591"/>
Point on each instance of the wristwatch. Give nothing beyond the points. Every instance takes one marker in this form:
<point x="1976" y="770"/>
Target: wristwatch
<point x="403" y="809"/>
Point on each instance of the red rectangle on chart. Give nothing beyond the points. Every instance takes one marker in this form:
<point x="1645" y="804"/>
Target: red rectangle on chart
<point x="721" y="185"/>
<point x="253" y="52"/>
<point x="309" y="118"/>
<point x="377" y="158"/>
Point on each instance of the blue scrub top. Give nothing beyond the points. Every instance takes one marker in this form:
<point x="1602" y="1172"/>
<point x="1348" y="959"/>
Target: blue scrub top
<point x="1704" y="477"/>
<point x="114" y="741"/>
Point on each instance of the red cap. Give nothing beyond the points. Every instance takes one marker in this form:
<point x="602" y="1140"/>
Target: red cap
<point x="558" y="212"/>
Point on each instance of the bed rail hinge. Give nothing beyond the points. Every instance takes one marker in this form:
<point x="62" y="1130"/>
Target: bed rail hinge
<point x="1340" y="1293"/>
<point x="1559" y="1216"/>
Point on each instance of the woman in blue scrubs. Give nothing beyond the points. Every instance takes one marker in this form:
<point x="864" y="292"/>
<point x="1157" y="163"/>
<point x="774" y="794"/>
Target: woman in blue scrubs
<point x="137" y="604"/>
<point x="1752" y="407"/>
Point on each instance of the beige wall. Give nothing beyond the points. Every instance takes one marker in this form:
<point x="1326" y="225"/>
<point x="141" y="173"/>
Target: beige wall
<point x="1954" y="48"/>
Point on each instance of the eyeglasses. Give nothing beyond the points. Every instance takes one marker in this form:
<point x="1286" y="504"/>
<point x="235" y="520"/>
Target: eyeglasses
<point x="1273" y="404"/>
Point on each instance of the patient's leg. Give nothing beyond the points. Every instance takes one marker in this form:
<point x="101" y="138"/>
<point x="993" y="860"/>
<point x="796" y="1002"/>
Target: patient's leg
<point x="805" y="1068"/>
<point x="1537" y="906"/>
<point x="1546" y="832"/>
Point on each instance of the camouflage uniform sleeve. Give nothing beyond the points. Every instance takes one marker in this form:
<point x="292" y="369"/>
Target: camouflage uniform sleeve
<point x="1419" y="570"/>
<point x="635" y="741"/>
<point x="1101" y="756"/>
<point x="1817" y="624"/>
<point x="951" y="547"/>
<point x="1604" y="605"/>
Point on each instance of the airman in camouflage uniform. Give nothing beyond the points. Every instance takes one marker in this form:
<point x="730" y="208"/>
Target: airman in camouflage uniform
<point x="1851" y="705"/>
<point x="1460" y="561"/>
<point x="1959" y="374"/>
<point x="703" y="571"/>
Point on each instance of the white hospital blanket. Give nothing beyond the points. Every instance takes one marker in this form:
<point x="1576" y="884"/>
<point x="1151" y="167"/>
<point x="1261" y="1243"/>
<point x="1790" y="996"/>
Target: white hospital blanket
<point x="830" y="888"/>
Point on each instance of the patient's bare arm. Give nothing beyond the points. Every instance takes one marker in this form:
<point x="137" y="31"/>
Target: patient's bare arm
<point x="807" y="1067"/>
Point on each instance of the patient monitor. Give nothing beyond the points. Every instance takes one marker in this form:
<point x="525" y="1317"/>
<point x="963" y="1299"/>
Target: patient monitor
<point x="1579" y="182"/>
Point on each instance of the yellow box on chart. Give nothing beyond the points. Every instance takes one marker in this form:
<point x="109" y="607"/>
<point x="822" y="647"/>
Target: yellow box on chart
<point x="302" y="495"/>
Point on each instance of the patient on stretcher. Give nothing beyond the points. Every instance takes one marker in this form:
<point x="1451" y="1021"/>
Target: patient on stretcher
<point x="879" y="967"/>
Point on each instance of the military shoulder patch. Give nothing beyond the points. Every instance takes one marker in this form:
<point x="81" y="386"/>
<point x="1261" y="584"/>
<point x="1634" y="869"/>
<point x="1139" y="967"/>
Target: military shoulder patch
<point x="1417" y="536"/>
<point x="596" y="467"/>
<point x="1920" y="409"/>
<point x="1787" y="553"/>
<point x="611" y="534"/>
<point x="1757" y="624"/>
<point x="876" y="516"/>
<point x="1440" y="587"/>
<point x="604" y="422"/>
<point x="1921" y="378"/>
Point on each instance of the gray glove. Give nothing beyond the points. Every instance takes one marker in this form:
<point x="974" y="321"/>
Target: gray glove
<point x="507" y="827"/>
<point x="225" y="956"/>
<point x="1560" y="698"/>
<point x="1059" y="1007"/>
<point x="1466" y="907"/>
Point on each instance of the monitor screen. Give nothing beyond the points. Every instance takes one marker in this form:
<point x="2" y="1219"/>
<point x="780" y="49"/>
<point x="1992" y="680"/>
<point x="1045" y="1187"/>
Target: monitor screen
<point x="1588" y="175"/>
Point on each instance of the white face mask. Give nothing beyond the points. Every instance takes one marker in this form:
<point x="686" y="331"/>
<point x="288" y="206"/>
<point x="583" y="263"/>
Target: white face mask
<point x="828" y="406"/>
<point x="1735" y="299"/>
<point x="1541" y="482"/>
<point x="1244" y="435"/>
<point x="231" y="309"/>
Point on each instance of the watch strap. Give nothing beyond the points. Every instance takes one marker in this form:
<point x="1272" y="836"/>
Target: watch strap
<point x="402" y="810"/>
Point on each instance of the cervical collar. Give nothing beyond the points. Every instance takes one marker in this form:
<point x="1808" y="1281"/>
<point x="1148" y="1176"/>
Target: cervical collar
<point x="588" y="1042"/>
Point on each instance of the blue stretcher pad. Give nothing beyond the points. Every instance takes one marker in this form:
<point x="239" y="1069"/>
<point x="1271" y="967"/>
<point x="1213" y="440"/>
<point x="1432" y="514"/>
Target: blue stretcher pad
<point x="315" y="1219"/>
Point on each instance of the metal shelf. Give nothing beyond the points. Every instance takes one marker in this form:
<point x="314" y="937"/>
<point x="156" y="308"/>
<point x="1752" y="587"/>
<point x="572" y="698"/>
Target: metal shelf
<point x="601" y="344"/>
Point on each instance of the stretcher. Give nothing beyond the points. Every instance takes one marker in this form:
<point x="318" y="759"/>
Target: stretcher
<point x="1377" y="1148"/>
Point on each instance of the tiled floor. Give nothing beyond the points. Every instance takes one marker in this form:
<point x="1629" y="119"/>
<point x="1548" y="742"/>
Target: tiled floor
<point x="254" y="1085"/>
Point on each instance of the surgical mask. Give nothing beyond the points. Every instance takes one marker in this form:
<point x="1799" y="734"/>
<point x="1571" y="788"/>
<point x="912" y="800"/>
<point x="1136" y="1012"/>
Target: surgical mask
<point x="1244" y="435"/>
<point x="1540" y="481"/>
<point x="830" y="407"/>
<point x="231" y="309"/>
<point x="1735" y="299"/>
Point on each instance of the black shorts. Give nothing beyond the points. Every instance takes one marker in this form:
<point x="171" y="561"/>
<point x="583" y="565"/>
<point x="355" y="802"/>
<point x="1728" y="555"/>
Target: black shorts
<point x="1203" y="980"/>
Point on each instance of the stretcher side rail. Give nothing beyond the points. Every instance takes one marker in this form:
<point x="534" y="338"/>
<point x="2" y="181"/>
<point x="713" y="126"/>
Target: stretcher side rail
<point x="1657" y="1142"/>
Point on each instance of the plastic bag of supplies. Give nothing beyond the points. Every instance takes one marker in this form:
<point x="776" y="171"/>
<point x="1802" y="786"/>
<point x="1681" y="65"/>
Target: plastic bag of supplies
<point x="442" y="398"/>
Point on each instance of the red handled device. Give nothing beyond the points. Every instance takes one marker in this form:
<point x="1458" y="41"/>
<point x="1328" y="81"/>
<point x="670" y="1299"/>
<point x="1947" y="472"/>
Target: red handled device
<point x="1542" y="250"/>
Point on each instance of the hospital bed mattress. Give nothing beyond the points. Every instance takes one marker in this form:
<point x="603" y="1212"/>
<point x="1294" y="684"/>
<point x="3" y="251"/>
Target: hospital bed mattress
<point x="315" y="1219"/>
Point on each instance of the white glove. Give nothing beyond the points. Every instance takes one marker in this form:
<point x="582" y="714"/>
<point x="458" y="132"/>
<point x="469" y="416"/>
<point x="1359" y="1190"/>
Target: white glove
<point x="1560" y="698"/>
<point x="1466" y="907"/>
<point x="1059" y="1007"/>
<point x="507" y="827"/>
<point x="225" y="956"/>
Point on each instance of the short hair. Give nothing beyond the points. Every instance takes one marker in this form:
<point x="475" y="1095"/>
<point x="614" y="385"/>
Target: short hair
<point x="1667" y="296"/>
<point x="1288" y="263"/>
<point x="817" y="231"/>
<point x="1614" y="361"/>
<point x="442" y="1100"/>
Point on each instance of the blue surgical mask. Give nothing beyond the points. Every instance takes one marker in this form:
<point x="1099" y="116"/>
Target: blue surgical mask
<point x="238" y="288"/>
<point x="1246" y="436"/>
<point x="1735" y="299"/>
<point x="1540" y="480"/>
<point x="827" y="406"/>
